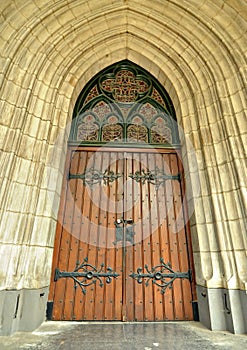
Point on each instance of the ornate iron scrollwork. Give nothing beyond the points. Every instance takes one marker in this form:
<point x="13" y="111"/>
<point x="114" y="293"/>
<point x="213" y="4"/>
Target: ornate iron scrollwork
<point x="89" y="275"/>
<point x="129" y="231"/>
<point x="155" y="177"/>
<point x="92" y="177"/>
<point x="162" y="275"/>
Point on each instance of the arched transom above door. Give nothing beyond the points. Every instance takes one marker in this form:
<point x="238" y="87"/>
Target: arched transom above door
<point x="124" y="104"/>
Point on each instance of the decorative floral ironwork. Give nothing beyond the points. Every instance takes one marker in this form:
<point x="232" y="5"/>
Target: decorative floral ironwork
<point x="89" y="274"/>
<point x="112" y="132"/>
<point x="160" y="132"/>
<point x="155" y="177"/>
<point x="101" y="109"/>
<point x="125" y="86"/>
<point x="137" y="133"/>
<point x="88" y="129"/>
<point x="92" y="94"/>
<point x="127" y="93"/>
<point x="162" y="275"/>
<point x="148" y="111"/>
<point x="156" y="96"/>
<point x="92" y="177"/>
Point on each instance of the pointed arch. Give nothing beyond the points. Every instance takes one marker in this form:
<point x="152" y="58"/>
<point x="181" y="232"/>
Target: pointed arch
<point x="124" y="104"/>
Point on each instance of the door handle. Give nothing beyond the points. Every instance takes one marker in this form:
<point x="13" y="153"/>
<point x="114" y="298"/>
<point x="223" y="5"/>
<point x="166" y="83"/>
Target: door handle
<point x="129" y="231"/>
<point x="122" y="221"/>
<point x="121" y="225"/>
<point x="119" y="231"/>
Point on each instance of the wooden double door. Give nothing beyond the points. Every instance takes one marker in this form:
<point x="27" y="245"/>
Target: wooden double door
<point x="122" y="248"/>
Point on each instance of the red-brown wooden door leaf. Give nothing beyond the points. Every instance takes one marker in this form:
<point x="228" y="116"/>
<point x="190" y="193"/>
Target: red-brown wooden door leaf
<point x="153" y="212"/>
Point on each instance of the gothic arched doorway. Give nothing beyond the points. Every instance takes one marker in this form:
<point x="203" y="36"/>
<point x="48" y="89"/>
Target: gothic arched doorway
<point x="122" y="248"/>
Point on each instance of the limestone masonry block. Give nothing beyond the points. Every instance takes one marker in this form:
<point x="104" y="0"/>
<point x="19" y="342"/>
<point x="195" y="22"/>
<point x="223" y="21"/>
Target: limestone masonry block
<point x="49" y="52"/>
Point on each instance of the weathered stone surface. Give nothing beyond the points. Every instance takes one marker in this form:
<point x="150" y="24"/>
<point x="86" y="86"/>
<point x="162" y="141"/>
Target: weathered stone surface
<point x="49" y="51"/>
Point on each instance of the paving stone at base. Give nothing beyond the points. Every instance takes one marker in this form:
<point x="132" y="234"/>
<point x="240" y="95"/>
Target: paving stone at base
<point x="129" y="336"/>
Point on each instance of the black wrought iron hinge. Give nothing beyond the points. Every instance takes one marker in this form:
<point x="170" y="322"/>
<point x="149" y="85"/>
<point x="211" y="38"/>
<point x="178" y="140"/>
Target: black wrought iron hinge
<point x="155" y="177"/>
<point x="89" y="274"/>
<point x="162" y="275"/>
<point x="92" y="177"/>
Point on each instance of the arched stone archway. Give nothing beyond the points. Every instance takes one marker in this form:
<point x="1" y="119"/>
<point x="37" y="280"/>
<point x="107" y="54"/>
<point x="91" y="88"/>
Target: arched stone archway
<point x="123" y="207"/>
<point x="49" y="52"/>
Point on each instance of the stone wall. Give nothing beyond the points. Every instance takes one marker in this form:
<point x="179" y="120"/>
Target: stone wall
<point x="49" y="51"/>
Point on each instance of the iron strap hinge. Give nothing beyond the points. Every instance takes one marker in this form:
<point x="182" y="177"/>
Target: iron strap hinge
<point x="92" y="177"/>
<point x="162" y="275"/>
<point x="89" y="274"/>
<point x="155" y="177"/>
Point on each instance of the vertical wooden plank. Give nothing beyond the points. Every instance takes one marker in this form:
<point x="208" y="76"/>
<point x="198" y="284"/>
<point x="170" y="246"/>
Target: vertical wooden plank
<point x="93" y="191"/>
<point x="74" y="239"/>
<point x="147" y="239"/>
<point x="167" y="251"/>
<point x="117" y="248"/>
<point x="128" y="246"/>
<point x="155" y="162"/>
<point x="111" y="289"/>
<point x="175" y="261"/>
<point x="79" y="232"/>
<point x="138" y="244"/>
<point x="125" y="297"/>
<point x="109" y="254"/>
<point x="84" y="237"/>
<point x="101" y="241"/>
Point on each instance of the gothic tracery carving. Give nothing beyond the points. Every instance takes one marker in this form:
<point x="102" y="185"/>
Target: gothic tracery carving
<point x="124" y="105"/>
